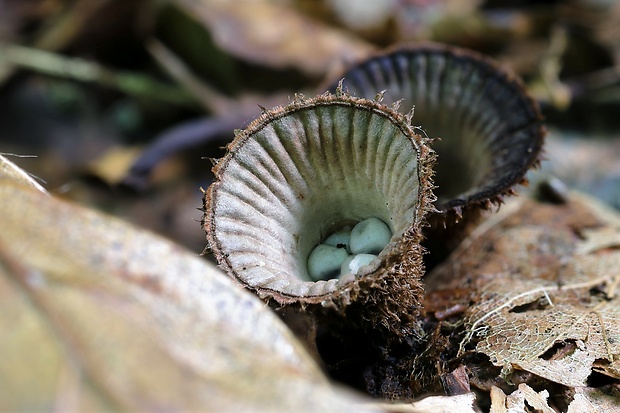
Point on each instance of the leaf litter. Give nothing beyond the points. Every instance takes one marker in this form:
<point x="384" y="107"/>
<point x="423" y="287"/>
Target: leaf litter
<point x="542" y="281"/>
<point x="543" y="293"/>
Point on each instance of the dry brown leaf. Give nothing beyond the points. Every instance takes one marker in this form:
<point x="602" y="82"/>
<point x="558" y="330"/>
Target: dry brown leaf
<point x="274" y="34"/>
<point x="498" y="400"/>
<point x="600" y="238"/>
<point x="543" y="281"/>
<point x="595" y="400"/>
<point x="112" y="165"/>
<point x="519" y="400"/>
<point x="515" y="339"/>
<point x="461" y="403"/>
<point x="97" y="315"/>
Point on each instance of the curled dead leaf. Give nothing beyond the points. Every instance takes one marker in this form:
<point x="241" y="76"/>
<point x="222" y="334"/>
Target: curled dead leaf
<point x="275" y="34"/>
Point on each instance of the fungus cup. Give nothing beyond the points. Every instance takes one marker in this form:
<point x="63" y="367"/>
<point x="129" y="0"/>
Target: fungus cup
<point x="308" y="172"/>
<point x="489" y="130"/>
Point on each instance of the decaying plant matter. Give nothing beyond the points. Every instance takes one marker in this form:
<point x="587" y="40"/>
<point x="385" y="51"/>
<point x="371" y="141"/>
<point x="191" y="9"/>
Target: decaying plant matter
<point x="536" y="286"/>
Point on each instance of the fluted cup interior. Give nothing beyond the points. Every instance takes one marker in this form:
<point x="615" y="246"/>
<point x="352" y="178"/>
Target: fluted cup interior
<point x="488" y="128"/>
<point x="291" y="180"/>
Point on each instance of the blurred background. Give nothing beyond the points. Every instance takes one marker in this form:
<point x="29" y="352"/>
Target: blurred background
<point x="117" y="104"/>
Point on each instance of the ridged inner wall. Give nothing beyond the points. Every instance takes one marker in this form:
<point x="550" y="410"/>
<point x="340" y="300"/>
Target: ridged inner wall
<point x="477" y="113"/>
<point x="302" y="176"/>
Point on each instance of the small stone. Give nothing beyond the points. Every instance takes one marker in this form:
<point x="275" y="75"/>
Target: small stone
<point x="325" y="261"/>
<point x="340" y="239"/>
<point x="353" y="263"/>
<point x="370" y="236"/>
